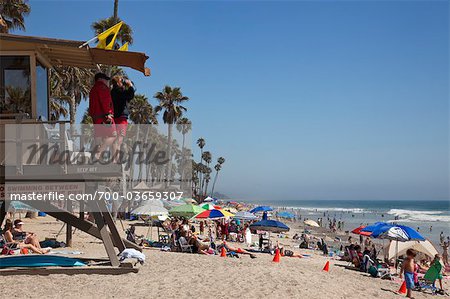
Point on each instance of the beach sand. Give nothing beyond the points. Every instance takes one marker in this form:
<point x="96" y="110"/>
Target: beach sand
<point x="181" y="275"/>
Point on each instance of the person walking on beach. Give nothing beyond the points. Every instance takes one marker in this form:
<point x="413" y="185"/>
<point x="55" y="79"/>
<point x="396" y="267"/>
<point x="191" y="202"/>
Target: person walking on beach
<point x="408" y="271"/>
<point x="445" y="253"/>
<point x="441" y="238"/>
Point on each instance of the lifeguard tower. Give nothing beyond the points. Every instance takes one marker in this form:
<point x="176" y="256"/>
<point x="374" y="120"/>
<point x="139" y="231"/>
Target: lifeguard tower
<point x="25" y="62"/>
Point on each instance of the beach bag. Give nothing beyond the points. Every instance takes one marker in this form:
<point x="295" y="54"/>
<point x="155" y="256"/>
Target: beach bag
<point x="6" y="250"/>
<point x="373" y="271"/>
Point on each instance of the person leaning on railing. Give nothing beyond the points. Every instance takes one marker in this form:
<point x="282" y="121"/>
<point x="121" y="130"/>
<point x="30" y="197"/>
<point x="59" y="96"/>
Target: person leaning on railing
<point x="122" y="93"/>
<point x="102" y="113"/>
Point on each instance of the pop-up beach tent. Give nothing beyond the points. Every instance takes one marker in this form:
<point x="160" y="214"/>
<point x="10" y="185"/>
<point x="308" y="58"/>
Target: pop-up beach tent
<point x="424" y="247"/>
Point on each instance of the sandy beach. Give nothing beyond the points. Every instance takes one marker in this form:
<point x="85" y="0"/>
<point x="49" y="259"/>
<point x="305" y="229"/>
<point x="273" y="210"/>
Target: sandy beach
<point x="175" y="275"/>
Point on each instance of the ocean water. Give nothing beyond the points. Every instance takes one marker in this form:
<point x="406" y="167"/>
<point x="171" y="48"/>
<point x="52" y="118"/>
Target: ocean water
<point x="429" y="217"/>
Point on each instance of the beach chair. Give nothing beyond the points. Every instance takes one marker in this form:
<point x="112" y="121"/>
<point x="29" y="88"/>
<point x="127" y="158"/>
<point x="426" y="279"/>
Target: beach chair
<point x="184" y="246"/>
<point x="428" y="282"/>
<point x="351" y="254"/>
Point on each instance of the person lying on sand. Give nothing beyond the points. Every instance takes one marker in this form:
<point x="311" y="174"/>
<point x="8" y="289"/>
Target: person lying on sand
<point x="289" y="253"/>
<point x="237" y="250"/>
<point x="8" y="233"/>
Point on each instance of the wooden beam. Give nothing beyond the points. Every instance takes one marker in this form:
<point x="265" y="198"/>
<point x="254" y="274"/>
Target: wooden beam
<point x="81" y="224"/>
<point x="102" y="270"/>
<point x="111" y="225"/>
<point x="2" y="211"/>
<point x="69" y="226"/>
<point x="106" y="237"/>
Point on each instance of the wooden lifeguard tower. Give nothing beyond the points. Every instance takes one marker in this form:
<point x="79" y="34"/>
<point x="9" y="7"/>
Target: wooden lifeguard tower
<point x="24" y="99"/>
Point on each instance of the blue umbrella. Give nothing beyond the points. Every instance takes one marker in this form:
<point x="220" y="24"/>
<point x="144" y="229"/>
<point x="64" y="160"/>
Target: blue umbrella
<point x="20" y="206"/>
<point x="286" y="214"/>
<point x="400" y="233"/>
<point x="261" y="209"/>
<point x="270" y="226"/>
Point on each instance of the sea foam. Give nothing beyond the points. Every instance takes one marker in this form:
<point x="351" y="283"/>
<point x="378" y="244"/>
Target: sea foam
<point x="419" y="216"/>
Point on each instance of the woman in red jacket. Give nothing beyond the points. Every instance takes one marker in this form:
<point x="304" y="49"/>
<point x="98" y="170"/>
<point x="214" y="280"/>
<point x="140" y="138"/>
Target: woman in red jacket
<point x="102" y="113"/>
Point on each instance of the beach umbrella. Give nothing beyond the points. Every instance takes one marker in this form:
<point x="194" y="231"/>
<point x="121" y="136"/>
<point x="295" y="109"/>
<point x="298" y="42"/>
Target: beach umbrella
<point x="245" y="216"/>
<point x="168" y="204"/>
<point x="261" y="209"/>
<point x="209" y="199"/>
<point x="421" y="246"/>
<point x="213" y="214"/>
<point x="231" y="210"/>
<point x="141" y="186"/>
<point x="286" y="214"/>
<point x="358" y="231"/>
<point x="273" y="226"/>
<point x="371" y="228"/>
<point x="187" y="210"/>
<point x="208" y="206"/>
<point x="20" y="206"/>
<point x="311" y="223"/>
<point x="399" y="233"/>
<point x="150" y="209"/>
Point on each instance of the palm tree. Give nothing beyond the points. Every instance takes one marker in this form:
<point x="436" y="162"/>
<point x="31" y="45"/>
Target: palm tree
<point x="72" y="84"/>
<point x="201" y="144"/>
<point x="184" y="126"/>
<point x="206" y="179"/>
<point x="141" y="111"/>
<point x="12" y="15"/>
<point x="217" y="167"/>
<point x="116" y="9"/>
<point x="207" y="157"/>
<point x="169" y="101"/>
<point x="17" y="99"/>
<point x="58" y="109"/>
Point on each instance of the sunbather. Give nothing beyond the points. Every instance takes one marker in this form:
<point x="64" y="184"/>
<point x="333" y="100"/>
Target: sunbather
<point x="290" y="253"/>
<point x="8" y="234"/>
<point x="27" y="237"/>
<point x="237" y="250"/>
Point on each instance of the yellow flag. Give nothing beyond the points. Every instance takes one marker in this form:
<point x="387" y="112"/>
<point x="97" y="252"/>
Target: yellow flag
<point x="107" y="38"/>
<point x="124" y="47"/>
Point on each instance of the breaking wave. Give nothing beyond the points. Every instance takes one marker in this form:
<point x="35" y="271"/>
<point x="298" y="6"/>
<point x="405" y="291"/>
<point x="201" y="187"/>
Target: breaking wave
<point x="418" y="216"/>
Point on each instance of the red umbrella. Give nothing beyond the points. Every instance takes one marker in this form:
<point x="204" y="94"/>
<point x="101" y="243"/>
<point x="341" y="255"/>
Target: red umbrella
<point x="358" y="231"/>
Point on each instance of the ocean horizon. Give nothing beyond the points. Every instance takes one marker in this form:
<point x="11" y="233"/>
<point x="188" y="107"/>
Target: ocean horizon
<point x="430" y="217"/>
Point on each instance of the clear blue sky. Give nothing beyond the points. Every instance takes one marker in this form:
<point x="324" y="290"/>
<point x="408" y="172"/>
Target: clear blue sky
<point x="305" y="99"/>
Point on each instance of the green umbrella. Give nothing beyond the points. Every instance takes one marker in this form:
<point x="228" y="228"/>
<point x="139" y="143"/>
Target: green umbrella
<point x="186" y="211"/>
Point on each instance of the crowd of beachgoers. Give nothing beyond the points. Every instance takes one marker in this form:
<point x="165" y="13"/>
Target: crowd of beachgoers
<point x="240" y="237"/>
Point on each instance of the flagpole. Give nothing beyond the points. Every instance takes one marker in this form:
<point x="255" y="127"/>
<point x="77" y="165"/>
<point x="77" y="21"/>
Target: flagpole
<point x="86" y="43"/>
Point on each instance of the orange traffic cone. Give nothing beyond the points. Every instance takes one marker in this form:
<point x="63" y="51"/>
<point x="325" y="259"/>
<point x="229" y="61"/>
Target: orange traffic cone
<point x="223" y="253"/>
<point x="326" y="268"/>
<point x="402" y="289"/>
<point x="277" y="256"/>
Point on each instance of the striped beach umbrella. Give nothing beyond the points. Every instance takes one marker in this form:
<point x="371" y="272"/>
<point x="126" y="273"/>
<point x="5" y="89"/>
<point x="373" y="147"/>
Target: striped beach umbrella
<point x="213" y="214"/>
<point x="208" y="206"/>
